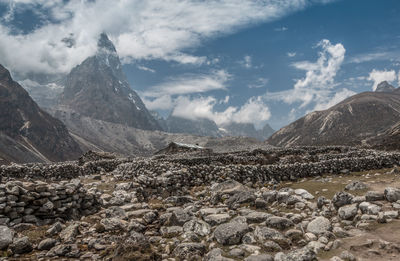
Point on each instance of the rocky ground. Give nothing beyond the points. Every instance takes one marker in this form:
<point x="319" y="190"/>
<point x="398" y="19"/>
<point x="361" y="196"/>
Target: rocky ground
<point x="229" y="206"/>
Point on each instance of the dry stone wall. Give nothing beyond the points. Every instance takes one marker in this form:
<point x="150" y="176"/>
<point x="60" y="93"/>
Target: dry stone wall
<point x="42" y="203"/>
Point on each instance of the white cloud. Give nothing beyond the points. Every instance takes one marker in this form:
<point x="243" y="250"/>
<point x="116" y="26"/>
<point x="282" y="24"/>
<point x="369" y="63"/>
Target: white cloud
<point x="159" y="103"/>
<point x="338" y="97"/>
<point x="316" y="87"/>
<point x="399" y="79"/>
<point x="259" y="83"/>
<point x="379" y="76"/>
<point x="293" y="54"/>
<point x="253" y="111"/>
<point x="246" y="62"/>
<point x="190" y="83"/>
<point x="157" y="29"/>
<point x="144" y="68"/>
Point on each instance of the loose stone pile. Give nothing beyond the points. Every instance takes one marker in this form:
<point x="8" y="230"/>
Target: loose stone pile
<point x="180" y="208"/>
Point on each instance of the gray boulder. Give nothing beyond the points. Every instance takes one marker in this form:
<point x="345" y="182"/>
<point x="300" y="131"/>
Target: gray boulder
<point x="279" y="222"/>
<point x="6" y="237"/>
<point x="230" y="233"/>
<point x="189" y="250"/>
<point x="21" y="246"/>
<point x="374" y="196"/>
<point x="356" y="185"/>
<point x="319" y="225"/>
<point x="342" y="198"/>
<point x="348" y="212"/>
<point x="47" y="244"/>
<point x="261" y="257"/>
<point x="392" y="194"/>
<point x="199" y="227"/>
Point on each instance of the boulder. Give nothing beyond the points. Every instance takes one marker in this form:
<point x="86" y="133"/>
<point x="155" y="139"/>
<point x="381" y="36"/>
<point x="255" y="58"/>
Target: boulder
<point x="319" y="225"/>
<point x="230" y="233"/>
<point x="6" y="237"/>
<point x="356" y="185"/>
<point x="341" y="198"/>
<point x="374" y="196"/>
<point x="348" y="212"/>
<point x="392" y="194"/>
<point x="47" y="244"/>
<point x="21" y="246"/>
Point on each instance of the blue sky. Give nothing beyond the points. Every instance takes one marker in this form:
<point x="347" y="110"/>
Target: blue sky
<point x="243" y="61"/>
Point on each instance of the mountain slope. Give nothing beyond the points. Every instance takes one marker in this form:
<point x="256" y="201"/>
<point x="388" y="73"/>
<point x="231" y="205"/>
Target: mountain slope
<point x="351" y="122"/>
<point x="201" y="127"/>
<point x="247" y="130"/>
<point x="27" y="132"/>
<point x="112" y="137"/>
<point x="98" y="88"/>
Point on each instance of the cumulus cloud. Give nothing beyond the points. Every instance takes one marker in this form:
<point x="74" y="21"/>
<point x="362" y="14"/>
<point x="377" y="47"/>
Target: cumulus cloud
<point x="293" y="54"/>
<point x="259" y="83"/>
<point x="156" y="29"/>
<point x="246" y="62"/>
<point x="318" y="84"/>
<point x="338" y="97"/>
<point x="379" y="76"/>
<point x="253" y="111"/>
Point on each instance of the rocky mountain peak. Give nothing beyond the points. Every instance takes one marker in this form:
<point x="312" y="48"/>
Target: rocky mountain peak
<point x="385" y="87"/>
<point x="104" y="43"/>
<point x="5" y="75"/>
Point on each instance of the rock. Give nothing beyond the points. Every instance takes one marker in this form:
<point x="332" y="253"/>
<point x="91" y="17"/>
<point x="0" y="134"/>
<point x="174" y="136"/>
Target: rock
<point x="356" y="185"/>
<point x="261" y="204"/>
<point x="340" y="232"/>
<point x="21" y="246"/>
<point x="216" y="255"/>
<point x="347" y="256"/>
<point x="294" y="235"/>
<point x="230" y="233"/>
<point x="341" y="198"/>
<point x="114" y="224"/>
<point x="279" y="223"/>
<point x="115" y="212"/>
<point x="319" y="225"/>
<point x="369" y="208"/>
<point x="271" y="246"/>
<point x="262" y="257"/>
<point x="179" y="217"/>
<point x="270" y="196"/>
<point x="47" y="244"/>
<point x="374" y="196"/>
<point x="68" y="250"/>
<point x="264" y="233"/>
<point x="348" y="212"/>
<point x="302" y="254"/>
<point x="217" y="219"/>
<point x="392" y="194"/>
<point x="199" y="227"/>
<point x="189" y="250"/>
<point x="6" y="237"/>
<point x="237" y="252"/>
<point x="240" y="198"/>
<point x="69" y="233"/>
<point x="391" y="214"/>
<point x="54" y="229"/>
<point x="304" y="194"/>
<point x="257" y="217"/>
<point x="172" y="231"/>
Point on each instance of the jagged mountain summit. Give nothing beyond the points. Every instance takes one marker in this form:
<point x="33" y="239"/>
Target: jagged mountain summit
<point x="385" y="87"/>
<point x="207" y="127"/>
<point x="98" y="88"/>
<point x="358" y="120"/>
<point x="27" y="133"/>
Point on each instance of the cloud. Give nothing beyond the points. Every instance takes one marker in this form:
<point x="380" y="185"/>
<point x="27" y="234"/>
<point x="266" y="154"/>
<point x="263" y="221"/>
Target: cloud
<point x="379" y="76"/>
<point x="246" y="62"/>
<point x="338" y="97"/>
<point x="259" y="83"/>
<point x="189" y="84"/>
<point x="157" y="29"/>
<point x="293" y="54"/>
<point x="317" y="85"/>
<point x="281" y="29"/>
<point x="147" y="69"/>
<point x="253" y="111"/>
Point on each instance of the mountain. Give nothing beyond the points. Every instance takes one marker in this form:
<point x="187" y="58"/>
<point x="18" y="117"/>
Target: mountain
<point x="97" y="135"/>
<point x="27" y="133"/>
<point x="385" y="87"/>
<point x="247" y="130"/>
<point x="354" y="121"/>
<point x="201" y="127"/>
<point x="98" y="88"/>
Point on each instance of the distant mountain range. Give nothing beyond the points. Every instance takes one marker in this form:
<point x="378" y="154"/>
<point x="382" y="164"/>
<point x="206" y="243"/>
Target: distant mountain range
<point x="368" y="119"/>
<point x="27" y="133"/>
<point x="207" y="127"/>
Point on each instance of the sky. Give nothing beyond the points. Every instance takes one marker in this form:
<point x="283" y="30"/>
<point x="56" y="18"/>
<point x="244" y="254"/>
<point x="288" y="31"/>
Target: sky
<point x="261" y="61"/>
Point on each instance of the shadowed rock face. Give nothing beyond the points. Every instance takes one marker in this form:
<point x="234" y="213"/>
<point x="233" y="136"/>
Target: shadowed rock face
<point x="354" y="121"/>
<point x="28" y="133"/>
<point x="98" y="88"/>
<point x="385" y="87"/>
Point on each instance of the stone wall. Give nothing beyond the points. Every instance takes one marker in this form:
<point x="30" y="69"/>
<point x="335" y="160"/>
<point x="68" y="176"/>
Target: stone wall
<point x="42" y="203"/>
